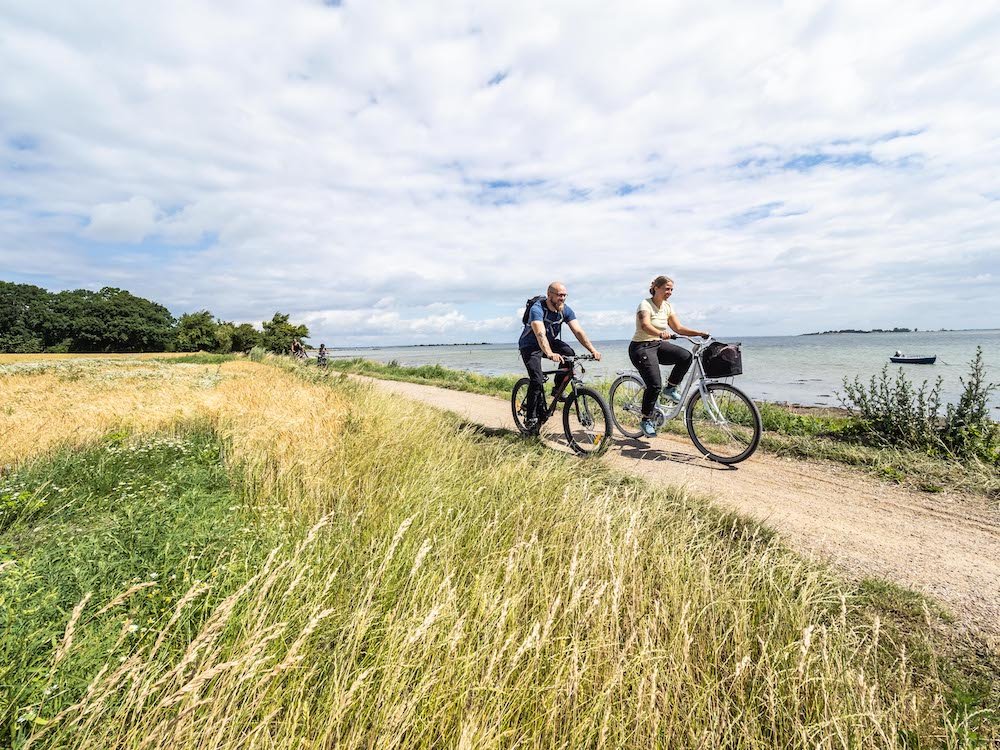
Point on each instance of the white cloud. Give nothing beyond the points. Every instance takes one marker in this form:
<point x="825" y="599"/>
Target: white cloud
<point x="130" y="221"/>
<point x="794" y="168"/>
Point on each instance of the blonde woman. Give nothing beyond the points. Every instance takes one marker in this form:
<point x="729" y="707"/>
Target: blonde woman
<point x="654" y="320"/>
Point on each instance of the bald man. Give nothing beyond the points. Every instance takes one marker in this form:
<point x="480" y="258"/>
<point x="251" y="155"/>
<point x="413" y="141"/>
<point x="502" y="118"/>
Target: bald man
<point x="541" y="338"/>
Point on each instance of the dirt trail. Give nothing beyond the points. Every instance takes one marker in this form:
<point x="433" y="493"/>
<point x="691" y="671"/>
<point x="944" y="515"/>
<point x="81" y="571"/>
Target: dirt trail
<point x="945" y="546"/>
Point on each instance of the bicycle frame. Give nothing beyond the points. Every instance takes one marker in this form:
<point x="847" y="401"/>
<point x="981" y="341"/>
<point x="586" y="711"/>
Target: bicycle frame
<point x="572" y="381"/>
<point x="697" y="371"/>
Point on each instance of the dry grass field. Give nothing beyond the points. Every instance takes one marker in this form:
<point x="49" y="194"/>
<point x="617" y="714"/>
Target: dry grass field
<point x="256" y="555"/>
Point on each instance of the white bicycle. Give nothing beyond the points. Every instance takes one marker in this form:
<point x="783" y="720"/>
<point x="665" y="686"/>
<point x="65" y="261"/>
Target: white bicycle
<point x="722" y="421"/>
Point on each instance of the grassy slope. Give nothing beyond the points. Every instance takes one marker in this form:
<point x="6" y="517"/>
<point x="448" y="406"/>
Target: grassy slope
<point x="453" y="587"/>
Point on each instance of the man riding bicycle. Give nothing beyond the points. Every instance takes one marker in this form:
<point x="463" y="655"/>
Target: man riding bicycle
<point x="541" y="338"/>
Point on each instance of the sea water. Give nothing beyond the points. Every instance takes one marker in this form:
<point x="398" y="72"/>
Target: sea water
<point x="806" y="370"/>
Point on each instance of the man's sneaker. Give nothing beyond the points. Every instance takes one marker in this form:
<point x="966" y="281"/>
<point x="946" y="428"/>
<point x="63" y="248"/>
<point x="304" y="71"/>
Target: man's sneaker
<point x="646" y="425"/>
<point x="671" y="392"/>
<point x="531" y="426"/>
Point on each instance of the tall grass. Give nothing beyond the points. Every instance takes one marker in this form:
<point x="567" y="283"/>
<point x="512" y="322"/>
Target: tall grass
<point x="433" y="587"/>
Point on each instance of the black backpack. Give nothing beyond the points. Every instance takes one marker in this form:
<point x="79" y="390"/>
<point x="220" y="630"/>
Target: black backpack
<point x="527" y="307"/>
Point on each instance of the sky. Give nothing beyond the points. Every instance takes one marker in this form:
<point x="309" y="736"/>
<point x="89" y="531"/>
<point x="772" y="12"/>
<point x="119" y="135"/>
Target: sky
<point x="399" y="172"/>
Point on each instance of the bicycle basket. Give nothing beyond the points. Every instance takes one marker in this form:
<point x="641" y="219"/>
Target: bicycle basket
<point x="722" y="360"/>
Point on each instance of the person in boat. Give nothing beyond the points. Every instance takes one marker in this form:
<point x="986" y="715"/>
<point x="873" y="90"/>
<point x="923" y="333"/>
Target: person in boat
<point x="898" y="353"/>
<point x="654" y="319"/>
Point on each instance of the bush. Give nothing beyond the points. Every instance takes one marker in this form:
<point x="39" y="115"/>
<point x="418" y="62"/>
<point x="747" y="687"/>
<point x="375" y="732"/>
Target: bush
<point x="968" y="428"/>
<point x="257" y="354"/>
<point x="893" y="413"/>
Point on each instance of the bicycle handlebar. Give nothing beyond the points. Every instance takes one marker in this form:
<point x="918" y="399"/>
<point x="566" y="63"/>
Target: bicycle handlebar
<point x="700" y="340"/>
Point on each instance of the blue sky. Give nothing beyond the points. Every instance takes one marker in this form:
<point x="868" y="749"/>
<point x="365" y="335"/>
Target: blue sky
<point x="410" y="172"/>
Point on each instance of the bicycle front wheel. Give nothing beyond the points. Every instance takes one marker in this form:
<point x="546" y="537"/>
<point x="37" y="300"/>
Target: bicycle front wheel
<point x="587" y="422"/>
<point x="518" y="405"/>
<point x="724" y="423"/>
<point x="626" y="405"/>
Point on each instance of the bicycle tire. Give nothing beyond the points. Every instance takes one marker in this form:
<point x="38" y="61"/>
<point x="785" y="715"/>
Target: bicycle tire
<point x="518" y="397"/>
<point x="625" y="400"/>
<point x="587" y="422"/>
<point x="728" y="429"/>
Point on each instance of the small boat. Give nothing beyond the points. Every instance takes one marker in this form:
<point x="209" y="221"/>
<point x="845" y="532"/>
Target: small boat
<point x="912" y="359"/>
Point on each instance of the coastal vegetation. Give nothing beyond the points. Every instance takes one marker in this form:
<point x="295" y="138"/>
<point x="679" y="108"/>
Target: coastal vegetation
<point x="251" y="554"/>
<point x="858" y="435"/>
<point x="33" y="320"/>
<point x="894" y="412"/>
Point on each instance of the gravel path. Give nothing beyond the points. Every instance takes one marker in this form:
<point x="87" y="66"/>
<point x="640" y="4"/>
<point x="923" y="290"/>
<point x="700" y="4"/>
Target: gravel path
<point x="946" y="546"/>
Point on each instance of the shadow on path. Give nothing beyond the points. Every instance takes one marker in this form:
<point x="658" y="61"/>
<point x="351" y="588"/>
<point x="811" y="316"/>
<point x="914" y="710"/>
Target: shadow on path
<point x="633" y="448"/>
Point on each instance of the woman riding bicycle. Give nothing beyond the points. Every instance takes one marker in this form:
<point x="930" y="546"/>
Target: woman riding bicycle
<point x="649" y="348"/>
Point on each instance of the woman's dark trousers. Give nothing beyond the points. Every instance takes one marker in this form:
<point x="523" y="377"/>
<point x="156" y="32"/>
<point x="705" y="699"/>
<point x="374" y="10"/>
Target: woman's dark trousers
<point x="647" y="356"/>
<point x="535" y="402"/>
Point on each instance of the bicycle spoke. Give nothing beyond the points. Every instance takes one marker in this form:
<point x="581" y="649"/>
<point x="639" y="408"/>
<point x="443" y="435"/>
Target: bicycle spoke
<point x="626" y="405"/>
<point x="723" y="423"/>
<point x="587" y="423"/>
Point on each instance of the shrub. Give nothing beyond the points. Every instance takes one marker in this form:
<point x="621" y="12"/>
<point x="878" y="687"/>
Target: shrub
<point x="968" y="428"/>
<point x="894" y="413"/>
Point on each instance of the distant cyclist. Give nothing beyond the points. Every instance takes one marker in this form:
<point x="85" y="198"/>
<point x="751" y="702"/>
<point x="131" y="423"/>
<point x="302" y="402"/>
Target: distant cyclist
<point x="541" y="338"/>
<point x="654" y="319"/>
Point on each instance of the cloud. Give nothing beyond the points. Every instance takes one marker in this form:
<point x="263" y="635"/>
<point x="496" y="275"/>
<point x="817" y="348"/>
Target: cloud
<point x="130" y="221"/>
<point x="793" y="168"/>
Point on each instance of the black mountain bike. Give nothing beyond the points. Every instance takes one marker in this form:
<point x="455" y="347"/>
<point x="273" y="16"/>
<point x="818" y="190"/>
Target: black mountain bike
<point x="587" y="420"/>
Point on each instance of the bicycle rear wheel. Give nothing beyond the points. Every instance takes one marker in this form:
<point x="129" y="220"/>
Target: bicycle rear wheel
<point x="626" y="404"/>
<point x="518" y="405"/>
<point x="587" y="422"/>
<point x="724" y="424"/>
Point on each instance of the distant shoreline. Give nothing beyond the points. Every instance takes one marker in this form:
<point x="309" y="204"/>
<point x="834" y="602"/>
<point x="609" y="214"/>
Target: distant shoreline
<point x="858" y="330"/>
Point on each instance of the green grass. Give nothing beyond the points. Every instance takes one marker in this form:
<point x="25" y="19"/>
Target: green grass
<point x="157" y="512"/>
<point x="436" y="375"/>
<point x="198" y="358"/>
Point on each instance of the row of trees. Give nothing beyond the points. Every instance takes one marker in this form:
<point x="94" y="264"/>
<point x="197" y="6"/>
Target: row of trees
<point x="113" y="320"/>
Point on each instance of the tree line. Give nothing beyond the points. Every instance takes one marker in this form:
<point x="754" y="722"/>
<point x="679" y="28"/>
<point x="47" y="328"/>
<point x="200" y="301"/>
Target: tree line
<point x="35" y="320"/>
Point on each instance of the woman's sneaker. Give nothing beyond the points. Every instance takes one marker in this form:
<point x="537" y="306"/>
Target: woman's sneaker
<point x="671" y="392"/>
<point x="646" y="425"/>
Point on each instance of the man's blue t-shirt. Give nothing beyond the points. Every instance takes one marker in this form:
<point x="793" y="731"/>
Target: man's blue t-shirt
<point x="552" y="320"/>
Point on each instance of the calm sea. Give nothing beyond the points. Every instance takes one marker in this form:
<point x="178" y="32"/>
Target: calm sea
<point x="796" y="369"/>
